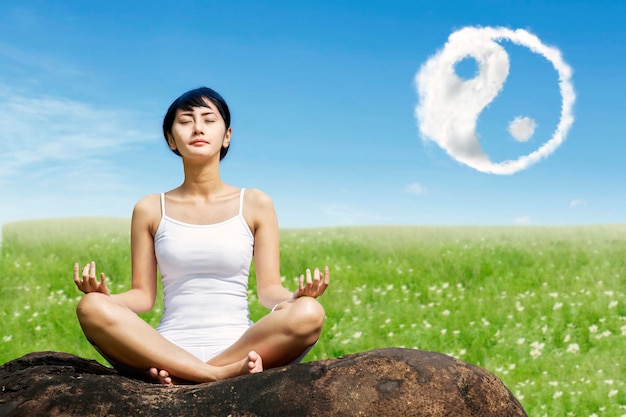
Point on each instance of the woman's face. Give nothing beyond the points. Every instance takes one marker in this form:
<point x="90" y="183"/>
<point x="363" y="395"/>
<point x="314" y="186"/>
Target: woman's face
<point x="200" y="131"/>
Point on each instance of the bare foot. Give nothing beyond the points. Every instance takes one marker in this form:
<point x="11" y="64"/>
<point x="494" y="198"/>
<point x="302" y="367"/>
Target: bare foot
<point x="251" y="365"/>
<point x="162" y="376"/>
<point x="255" y="363"/>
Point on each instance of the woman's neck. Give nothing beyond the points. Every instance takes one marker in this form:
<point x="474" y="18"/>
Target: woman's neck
<point x="202" y="179"/>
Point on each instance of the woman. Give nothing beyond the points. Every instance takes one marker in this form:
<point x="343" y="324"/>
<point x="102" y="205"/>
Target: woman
<point x="202" y="235"/>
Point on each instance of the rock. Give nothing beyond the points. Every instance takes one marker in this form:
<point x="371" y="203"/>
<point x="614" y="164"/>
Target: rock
<point x="382" y="382"/>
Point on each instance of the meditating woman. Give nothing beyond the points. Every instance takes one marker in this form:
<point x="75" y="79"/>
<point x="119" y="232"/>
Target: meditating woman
<point x="202" y="237"/>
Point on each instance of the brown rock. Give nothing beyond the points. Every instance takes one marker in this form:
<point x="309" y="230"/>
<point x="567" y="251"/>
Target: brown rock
<point x="383" y="382"/>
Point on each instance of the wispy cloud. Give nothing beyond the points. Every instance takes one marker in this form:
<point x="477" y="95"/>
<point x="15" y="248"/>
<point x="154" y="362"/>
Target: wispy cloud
<point x="64" y="157"/>
<point x="449" y="107"/>
<point x="44" y="130"/>
<point x="576" y="202"/>
<point x="415" y="188"/>
<point x="522" y="220"/>
<point x="20" y="59"/>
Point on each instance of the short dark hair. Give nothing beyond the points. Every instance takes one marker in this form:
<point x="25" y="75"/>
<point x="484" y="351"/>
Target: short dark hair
<point x="196" y="98"/>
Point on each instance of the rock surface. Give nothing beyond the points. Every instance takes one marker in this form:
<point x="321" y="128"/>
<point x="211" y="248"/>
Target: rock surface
<point x="382" y="382"/>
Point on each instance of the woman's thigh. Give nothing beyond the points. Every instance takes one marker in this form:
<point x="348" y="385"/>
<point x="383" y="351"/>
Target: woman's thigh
<point x="281" y="337"/>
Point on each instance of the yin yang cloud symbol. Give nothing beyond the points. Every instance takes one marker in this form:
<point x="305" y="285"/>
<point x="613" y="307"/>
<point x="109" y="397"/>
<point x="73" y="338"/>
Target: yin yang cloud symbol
<point x="449" y="107"/>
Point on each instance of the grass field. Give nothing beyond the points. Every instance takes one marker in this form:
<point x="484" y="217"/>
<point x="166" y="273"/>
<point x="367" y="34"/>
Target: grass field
<point x="543" y="308"/>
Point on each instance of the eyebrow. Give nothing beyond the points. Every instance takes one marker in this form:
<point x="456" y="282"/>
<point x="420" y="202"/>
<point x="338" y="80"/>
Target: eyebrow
<point x="190" y="112"/>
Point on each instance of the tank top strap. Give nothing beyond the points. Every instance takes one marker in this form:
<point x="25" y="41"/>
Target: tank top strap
<point x="241" y="201"/>
<point x="162" y="205"/>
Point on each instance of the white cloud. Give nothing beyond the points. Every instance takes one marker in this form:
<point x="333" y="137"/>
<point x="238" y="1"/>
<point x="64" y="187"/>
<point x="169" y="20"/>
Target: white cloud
<point x="449" y="107"/>
<point x="41" y="131"/>
<point x="64" y="157"/>
<point x="415" y="188"/>
<point x="522" y="128"/>
<point x="522" y="220"/>
<point x="576" y="202"/>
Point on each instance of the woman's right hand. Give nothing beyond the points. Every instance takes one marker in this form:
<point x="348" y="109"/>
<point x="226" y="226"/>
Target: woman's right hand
<point x="88" y="283"/>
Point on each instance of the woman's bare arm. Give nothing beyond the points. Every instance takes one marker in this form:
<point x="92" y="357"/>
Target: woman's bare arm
<point x="142" y="295"/>
<point x="267" y="258"/>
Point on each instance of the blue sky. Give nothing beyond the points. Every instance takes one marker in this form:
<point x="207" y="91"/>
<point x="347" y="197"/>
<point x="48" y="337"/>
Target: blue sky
<point x="323" y="97"/>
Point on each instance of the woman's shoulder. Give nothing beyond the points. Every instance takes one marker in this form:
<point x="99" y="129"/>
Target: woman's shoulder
<point x="149" y="205"/>
<point x="257" y="198"/>
<point x="258" y="209"/>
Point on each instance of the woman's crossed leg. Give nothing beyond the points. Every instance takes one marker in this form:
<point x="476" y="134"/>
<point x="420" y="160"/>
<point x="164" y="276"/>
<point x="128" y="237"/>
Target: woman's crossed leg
<point x="277" y="339"/>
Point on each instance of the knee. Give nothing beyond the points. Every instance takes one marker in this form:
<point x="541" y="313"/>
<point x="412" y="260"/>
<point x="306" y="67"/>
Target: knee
<point x="92" y="308"/>
<point x="307" y="317"/>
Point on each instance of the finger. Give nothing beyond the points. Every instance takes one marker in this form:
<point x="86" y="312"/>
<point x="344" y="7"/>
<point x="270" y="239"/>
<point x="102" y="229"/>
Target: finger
<point x="324" y="283"/>
<point x="92" y="269"/>
<point x="77" y="280"/>
<point x="316" y="280"/>
<point x="91" y="279"/>
<point x="84" y="281"/>
<point x="103" y="283"/>
<point x="301" y="283"/>
<point x="316" y="274"/>
<point x="309" y="280"/>
<point x="322" y="288"/>
<point x="85" y="271"/>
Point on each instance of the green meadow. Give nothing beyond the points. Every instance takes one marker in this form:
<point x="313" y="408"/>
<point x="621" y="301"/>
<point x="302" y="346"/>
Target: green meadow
<point x="543" y="308"/>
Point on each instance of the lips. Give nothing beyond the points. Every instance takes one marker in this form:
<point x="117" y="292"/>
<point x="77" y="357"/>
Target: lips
<point x="199" y="142"/>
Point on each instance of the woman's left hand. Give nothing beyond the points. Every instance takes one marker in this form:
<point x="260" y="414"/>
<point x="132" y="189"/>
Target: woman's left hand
<point x="312" y="286"/>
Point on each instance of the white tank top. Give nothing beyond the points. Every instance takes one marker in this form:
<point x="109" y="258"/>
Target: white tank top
<point x="204" y="270"/>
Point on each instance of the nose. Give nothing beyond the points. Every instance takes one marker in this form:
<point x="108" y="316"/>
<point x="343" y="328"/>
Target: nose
<point x="197" y="127"/>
